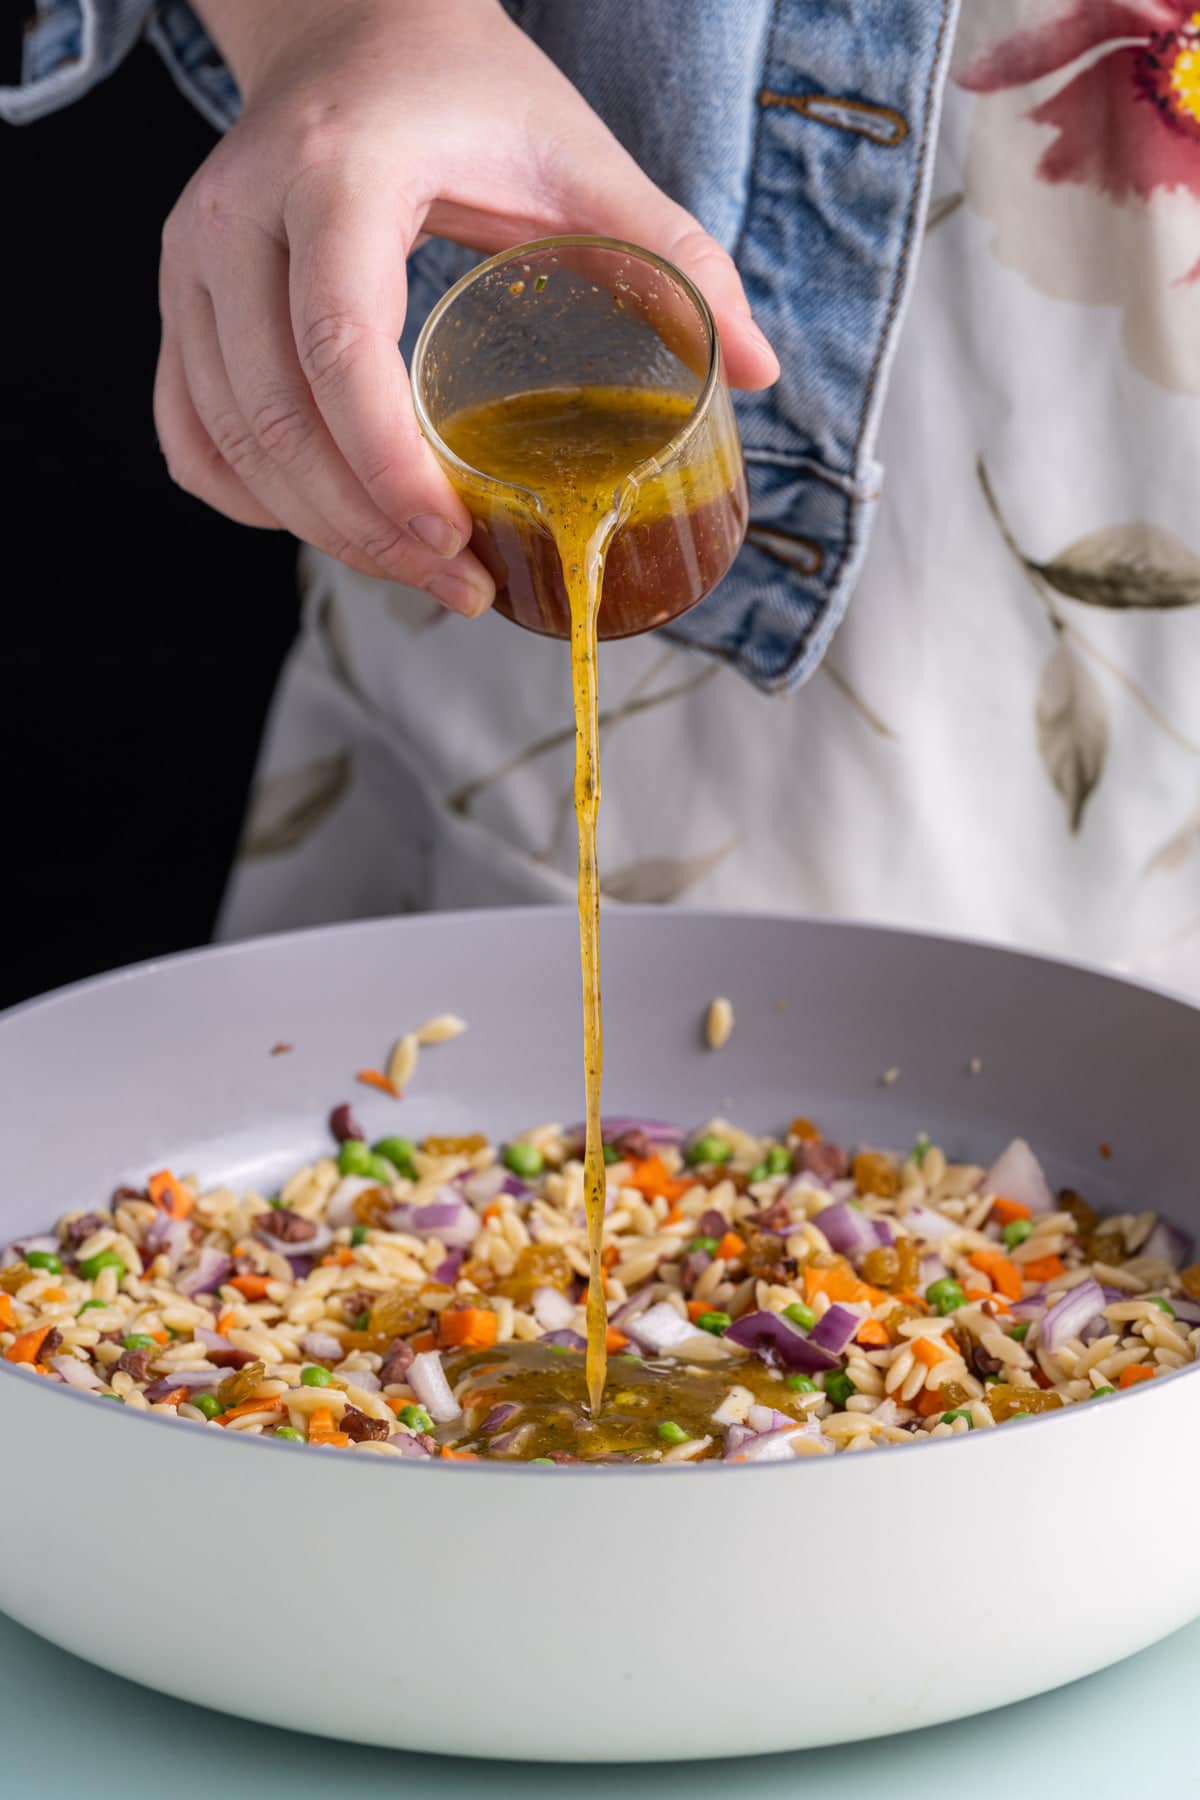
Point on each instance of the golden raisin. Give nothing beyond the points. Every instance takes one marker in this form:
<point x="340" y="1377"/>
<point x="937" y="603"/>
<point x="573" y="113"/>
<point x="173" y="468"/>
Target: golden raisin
<point x="398" y="1314"/>
<point x="1004" y="1399"/>
<point x="455" y="1146"/>
<point x="1106" y="1247"/>
<point x="900" y="1315"/>
<point x="538" y="1265"/>
<point x="479" y="1273"/>
<point x="765" y="1256"/>
<point x="1189" y="1281"/>
<point x="882" y="1267"/>
<point x="11" y="1279"/>
<point x="1086" y="1217"/>
<point x="875" y="1173"/>
<point x="372" y="1206"/>
<point x="236" y="1388"/>
<point x="952" y="1394"/>
<point x="805" y="1130"/>
<point x="909" y="1252"/>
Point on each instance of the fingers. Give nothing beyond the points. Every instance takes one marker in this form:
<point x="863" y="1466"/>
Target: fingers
<point x="620" y="201"/>
<point x="348" y="296"/>
<point x="193" y="460"/>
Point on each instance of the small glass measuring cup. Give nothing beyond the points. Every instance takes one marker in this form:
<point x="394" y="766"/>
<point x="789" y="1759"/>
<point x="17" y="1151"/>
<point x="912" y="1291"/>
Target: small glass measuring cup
<point x="585" y="314"/>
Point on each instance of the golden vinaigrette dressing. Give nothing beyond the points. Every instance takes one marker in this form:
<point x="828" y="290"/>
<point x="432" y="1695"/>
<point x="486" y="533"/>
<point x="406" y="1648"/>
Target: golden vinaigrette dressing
<point x="575" y="449"/>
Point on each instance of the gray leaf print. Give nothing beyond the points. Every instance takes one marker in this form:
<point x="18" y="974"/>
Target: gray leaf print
<point x="286" y="809"/>
<point x="660" y="879"/>
<point x="1177" y="850"/>
<point x="1137" y="566"/>
<point x="1072" y="729"/>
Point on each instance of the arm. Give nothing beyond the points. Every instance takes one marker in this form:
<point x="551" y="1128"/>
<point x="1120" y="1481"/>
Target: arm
<point x="281" y="398"/>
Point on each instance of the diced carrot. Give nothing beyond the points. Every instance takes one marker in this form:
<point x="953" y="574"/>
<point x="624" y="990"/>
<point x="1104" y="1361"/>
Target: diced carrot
<point x="265" y="1405"/>
<point x="377" y="1079"/>
<point x="491" y="1211"/>
<point x="616" y="1340"/>
<point x="250" y="1287"/>
<point x="912" y="1299"/>
<point x="8" y="1317"/>
<point x="27" y="1344"/>
<point x="322" y="1430"/>
<point x="1043" y="1268"/>
<point x="610" y="1256"/>
<point x="1006" y="1277"/>
<point x="161" y="1337"/>
<point x="696" y="1309"/>
<point x="1005" y="1211"/>
<point x="993" y="1299"/>
<point x="871" y="1331"/>
<point x="174" y="1398"/>
<point x="467" y="1328"/>
<point x="226" y="1322"/>
<point x="423" y="1340"/>
<point x="397" y="1402"/>
<point x="839" y="1284"/>
<point x="1136" y="1372"/>
<point x="731" y="1246"/>
<point x="674" y="1216"/>
<point x="652" y="1179"/>
<point x="929" y="1351"/>
<point x="341" y="1258"/>
<point x="53" y="1296"/>
<point x="928" y="1402"/>
<point x="458" y="1455"/>
<point x="166" y="1190"/>
<point x="805" y="1130"/>
<point x="321" y="1419"/>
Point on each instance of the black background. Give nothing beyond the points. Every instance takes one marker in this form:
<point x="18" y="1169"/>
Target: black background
<point x="141" y="634"/>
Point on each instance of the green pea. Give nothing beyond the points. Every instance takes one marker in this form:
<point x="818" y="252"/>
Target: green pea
<point x="208" y="1404"/>
<point x="1020" y="1332"/>
<point x="363" y="1321"/>
<point x="945" y="1295"/>
<point x="839" y="1387"/>
<point x="671" y="1433"/>
<point x="960" y="1412"/>
<point x="709" y="1150"/>
<point x="115" y="1397"/>
<point x="920" y="1149"/>
<point x="415" y="1417"/>
<point x="358" y="1236"/>
<point x="801" y="1315"/>
<point x="992" y="1376"/>
<point x="704" y="1243"/>
<point x="289" y="1434"/>
<point x="547" y="1461"/>
<point x="758" y="1173"/>
<point x="525" y="1160"/>
<point x="381" y="1170"/>
<point x="88" y="1305"/>
<point x="779" y="1160"/>
<point x="399" y="1152"/>
<point x="103" y="1259"/>
<point x="1016" y="1232"/>
<point x="137" y="1340"/>
<point x="354" y="1157"/>
<point x="800" y="1384"/>
<point x="44" y="1259"/>
<point x="716" y="1322"/>
<point x="611" y="1155"/>
<point x="1101" y="1391"/>
<point x="562" y="1350"/>
<point x="1154" y="1299"/>
<point x="1019" y="1415"/>
<point x="315" y="1376"/>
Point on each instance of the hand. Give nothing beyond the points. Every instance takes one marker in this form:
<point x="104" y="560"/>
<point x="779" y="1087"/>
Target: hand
<point x="281" y="398"/>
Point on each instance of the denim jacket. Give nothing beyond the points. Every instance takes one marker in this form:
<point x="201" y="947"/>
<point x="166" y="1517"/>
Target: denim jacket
<point x="801" y="134"/>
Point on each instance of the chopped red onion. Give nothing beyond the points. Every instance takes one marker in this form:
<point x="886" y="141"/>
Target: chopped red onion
<point x="165" y="1236"/>
<point x="322" y="1346"/>
<point x="409" y="1445"/>
<point x="195" y="1380"/>
<point x="565" y="1340"/>
<point x="765" y="1418"/>
<point x="778" y="1341"/>
<point x="736" y="1437"/>
<point x="301" y="1267"/>
<point x="366" y="1379"/>
<point x="512" y="1442"/>
<point x="1186" y="1311"/>
<point x="656" y="1130"/>
<point x="20" y="1248"/>
<point x="639" y="1303"/>
<point x="447" y="1270"/>
<point x="427" y="1379"/>
<point x="1070" y="1313"/>
<point x="1167" y="1242"/>
<point x="1017" y="1175"/>
<point x="77" y="1373"/>
<point x="552" y="1309"/>
<point x="211" y="1340"/>
<point x="307" y="1248"/>
<point x="927" y="1224"/>
<point x="482" y="1185"/>
<point x="834" y="1329"/>
<point x="884" y="1232"/>
<point x="1031" y="1306"/>
<point x="499" y="1416"/>
<point x="775" y="1446"/>
<point x="212" y="1268"/>
<point x="848" y="1230"/>
<point x="932" y="1269"/>
<point x="448" y="1218"/>
<point x="660" y="1328"/>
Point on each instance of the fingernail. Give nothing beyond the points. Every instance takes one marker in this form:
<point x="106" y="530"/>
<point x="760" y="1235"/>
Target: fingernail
<point x="437" y="534"/>
<point x="460" y="595"/>
<point x="758" y="336"/>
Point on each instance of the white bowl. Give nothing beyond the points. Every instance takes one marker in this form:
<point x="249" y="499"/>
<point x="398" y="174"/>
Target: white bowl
<point x="602" y="1614"/>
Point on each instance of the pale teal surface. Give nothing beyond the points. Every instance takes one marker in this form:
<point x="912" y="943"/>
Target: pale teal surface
<point x="67" y="1729"/>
